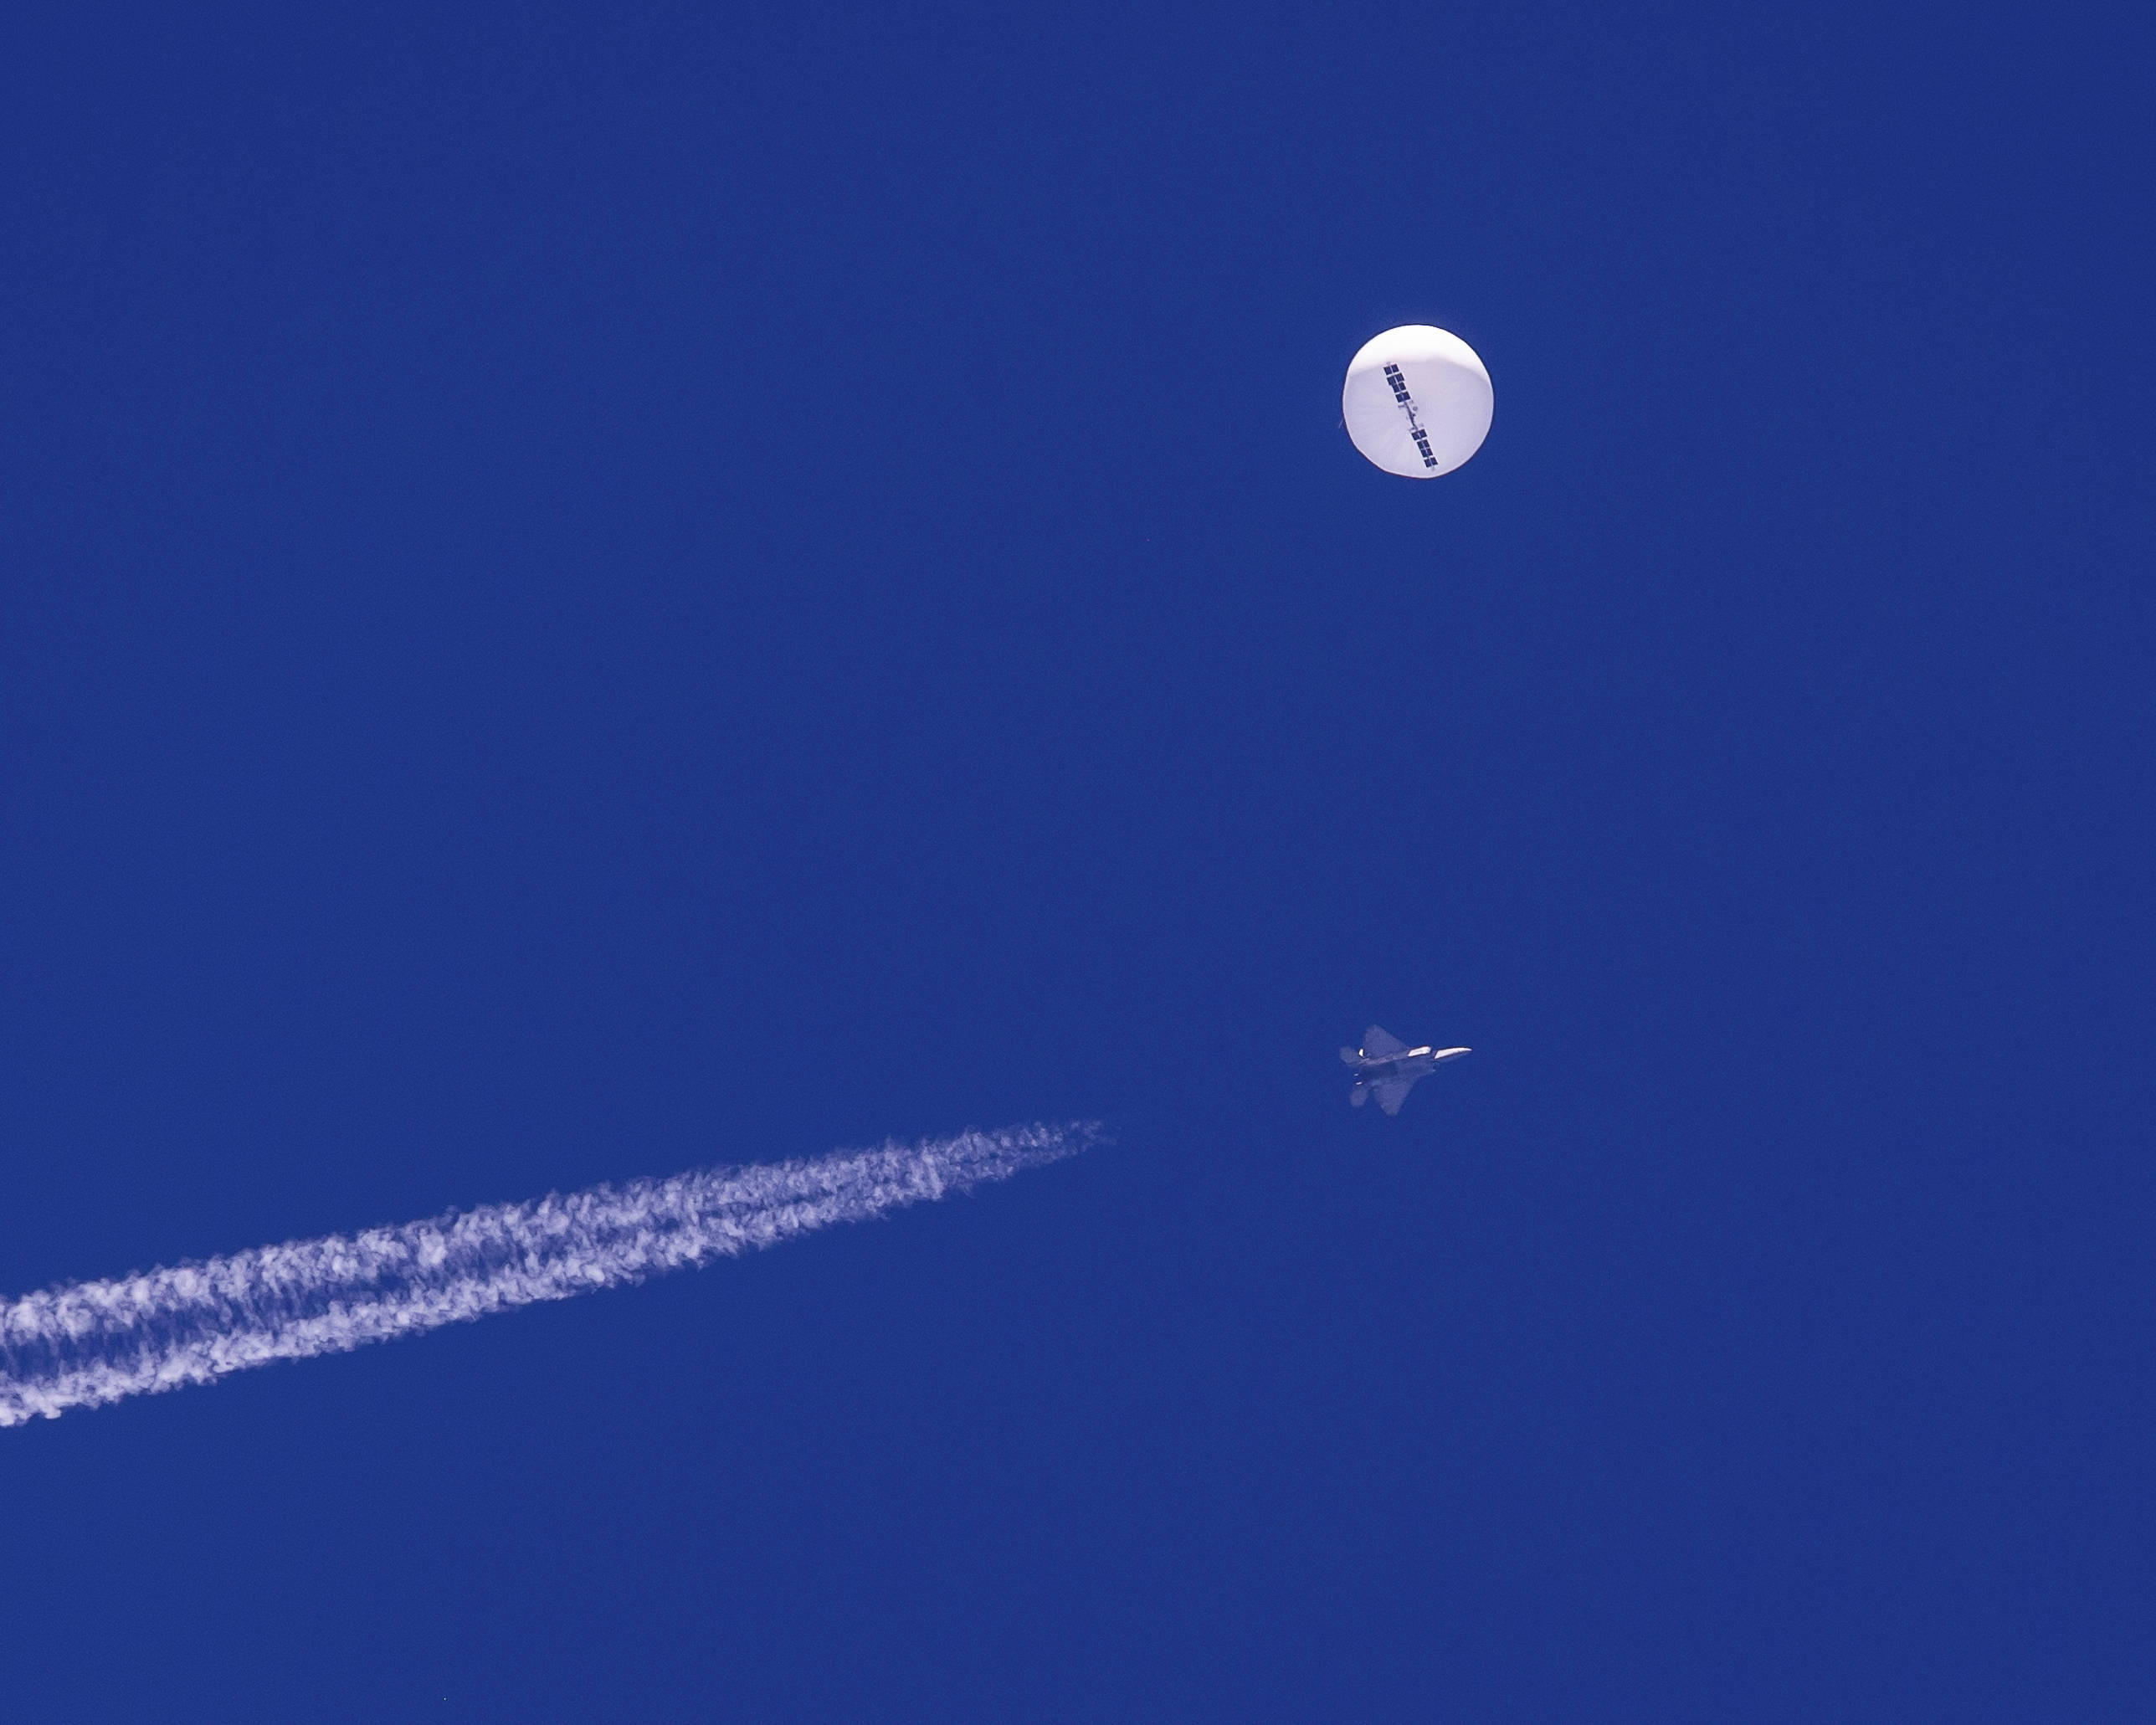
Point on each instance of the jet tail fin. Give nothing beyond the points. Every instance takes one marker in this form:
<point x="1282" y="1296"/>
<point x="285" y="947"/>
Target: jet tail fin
<point x="1351" y="1057"/>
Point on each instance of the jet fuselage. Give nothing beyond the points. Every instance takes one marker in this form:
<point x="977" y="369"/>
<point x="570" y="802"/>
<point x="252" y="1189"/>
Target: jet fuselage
<point x="1388" y="1070"/>
<point x="1415" y="1063"/>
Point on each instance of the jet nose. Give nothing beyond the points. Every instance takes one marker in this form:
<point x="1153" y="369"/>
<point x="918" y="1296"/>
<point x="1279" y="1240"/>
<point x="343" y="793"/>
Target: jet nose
<point x="1452" y="1053"/>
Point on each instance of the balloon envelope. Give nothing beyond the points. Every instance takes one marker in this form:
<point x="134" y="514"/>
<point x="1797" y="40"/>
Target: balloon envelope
<point x="1417" y="401"/>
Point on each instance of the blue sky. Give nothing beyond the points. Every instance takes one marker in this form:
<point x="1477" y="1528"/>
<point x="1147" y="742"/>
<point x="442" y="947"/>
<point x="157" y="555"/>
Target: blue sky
<point x="587" y="592"/>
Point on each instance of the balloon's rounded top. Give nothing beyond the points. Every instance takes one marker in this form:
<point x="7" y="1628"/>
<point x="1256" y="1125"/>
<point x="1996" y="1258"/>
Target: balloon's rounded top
<point x="1417" y="401"/>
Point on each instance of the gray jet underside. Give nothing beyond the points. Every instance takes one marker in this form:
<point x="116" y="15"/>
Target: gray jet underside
<point x="1388" y="1068"/>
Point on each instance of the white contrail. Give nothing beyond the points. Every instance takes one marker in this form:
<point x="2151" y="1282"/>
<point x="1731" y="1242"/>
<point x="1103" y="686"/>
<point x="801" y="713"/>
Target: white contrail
<point x="87" y="1343"/>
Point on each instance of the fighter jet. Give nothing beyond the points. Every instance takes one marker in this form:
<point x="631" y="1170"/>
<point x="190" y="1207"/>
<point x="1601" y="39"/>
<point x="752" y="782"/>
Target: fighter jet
<point x="1387" y="1068"/>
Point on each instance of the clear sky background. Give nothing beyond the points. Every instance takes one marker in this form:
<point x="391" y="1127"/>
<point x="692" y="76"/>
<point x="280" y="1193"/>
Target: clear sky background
<point x="585" y="592"/>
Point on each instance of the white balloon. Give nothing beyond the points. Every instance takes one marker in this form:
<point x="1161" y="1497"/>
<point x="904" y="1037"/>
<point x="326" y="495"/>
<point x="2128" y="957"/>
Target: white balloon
<point x="1417" y="401"/>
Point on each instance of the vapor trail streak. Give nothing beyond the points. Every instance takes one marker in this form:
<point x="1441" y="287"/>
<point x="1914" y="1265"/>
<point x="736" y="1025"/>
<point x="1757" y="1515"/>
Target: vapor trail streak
<point x="87" y="1343"/>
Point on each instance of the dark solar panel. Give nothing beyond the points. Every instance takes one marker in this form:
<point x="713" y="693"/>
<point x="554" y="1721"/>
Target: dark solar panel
<point x="1407" y="402"/>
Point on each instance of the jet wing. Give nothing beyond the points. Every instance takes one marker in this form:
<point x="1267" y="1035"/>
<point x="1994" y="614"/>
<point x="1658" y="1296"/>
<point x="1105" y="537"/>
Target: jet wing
<point x="1391" y="1092"/>
<point x="1381" y="1044"/>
